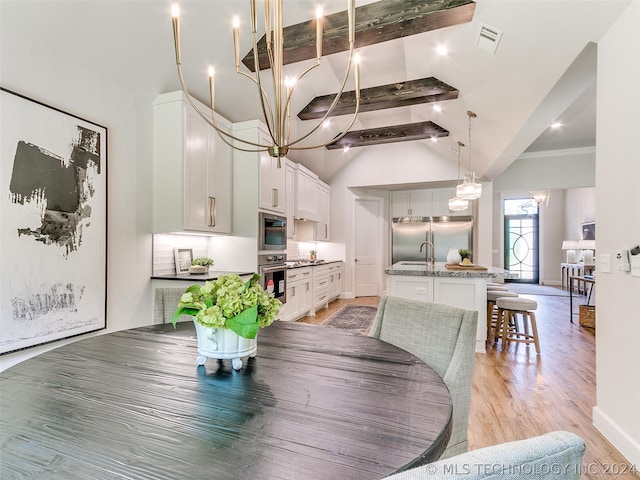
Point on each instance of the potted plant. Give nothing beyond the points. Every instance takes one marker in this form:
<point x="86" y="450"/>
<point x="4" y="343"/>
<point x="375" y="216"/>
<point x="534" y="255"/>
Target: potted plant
<point x="200" y="265"/>
<point x="227" y="314"/>
<point x="312" y="255"/>
<point x="465" y="255"/>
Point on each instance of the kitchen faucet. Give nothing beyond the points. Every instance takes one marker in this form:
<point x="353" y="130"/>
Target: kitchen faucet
<point x="433" y="254"/>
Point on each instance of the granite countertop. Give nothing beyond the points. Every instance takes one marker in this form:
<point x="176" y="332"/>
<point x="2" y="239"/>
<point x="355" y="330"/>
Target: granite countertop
<point x="308" y="263"/>
<point x="197" y="277"/>
<point x="439" y="270"/>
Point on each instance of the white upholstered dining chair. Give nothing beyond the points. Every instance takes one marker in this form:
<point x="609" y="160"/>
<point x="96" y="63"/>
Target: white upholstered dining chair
<point x="444" y="338"/>
<point x="555" y="455"/>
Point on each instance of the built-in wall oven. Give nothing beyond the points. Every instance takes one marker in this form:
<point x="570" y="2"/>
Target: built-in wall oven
<point x="272" y="233"/>
<point x="273" y="274"/>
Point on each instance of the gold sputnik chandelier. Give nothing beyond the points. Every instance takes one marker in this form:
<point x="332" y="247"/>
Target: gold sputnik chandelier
<point x="275" y="108"/>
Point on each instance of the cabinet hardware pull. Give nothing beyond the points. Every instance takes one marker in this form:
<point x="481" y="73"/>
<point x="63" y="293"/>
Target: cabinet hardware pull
<point x="274" y="197"/>
<point x="212" y="211"/>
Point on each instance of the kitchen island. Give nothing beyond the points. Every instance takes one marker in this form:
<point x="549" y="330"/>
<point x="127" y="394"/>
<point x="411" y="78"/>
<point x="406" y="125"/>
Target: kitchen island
<point x="465" y="288"/>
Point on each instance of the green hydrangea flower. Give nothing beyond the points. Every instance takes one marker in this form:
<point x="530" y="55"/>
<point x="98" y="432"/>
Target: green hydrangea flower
<point x="215" y="302"/>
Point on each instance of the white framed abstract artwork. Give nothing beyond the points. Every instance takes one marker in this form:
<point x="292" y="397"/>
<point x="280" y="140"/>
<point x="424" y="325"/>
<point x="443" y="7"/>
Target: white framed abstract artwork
<point x="53" y="224"/>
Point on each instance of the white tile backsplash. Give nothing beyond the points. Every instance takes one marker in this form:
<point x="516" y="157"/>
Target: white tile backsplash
<point x="163" y="250"/>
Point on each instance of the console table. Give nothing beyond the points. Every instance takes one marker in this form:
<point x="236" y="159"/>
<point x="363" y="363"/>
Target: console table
<point x="585" y="281"/>
<point x="316" y="403"/>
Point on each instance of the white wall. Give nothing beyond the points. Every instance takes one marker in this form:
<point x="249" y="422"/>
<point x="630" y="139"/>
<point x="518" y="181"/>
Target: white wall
<point x="65" y="79"/>
<point x="553" y="169"/>
<point x="617" y="414"/>
<point x="580" y="207"/>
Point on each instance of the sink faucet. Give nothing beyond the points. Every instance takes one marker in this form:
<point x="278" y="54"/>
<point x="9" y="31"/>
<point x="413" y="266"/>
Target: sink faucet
<point x="433" y="255"/>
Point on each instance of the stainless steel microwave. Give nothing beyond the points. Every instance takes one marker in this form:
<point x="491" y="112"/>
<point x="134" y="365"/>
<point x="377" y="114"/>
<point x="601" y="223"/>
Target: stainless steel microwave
<point x="272" y="232"/>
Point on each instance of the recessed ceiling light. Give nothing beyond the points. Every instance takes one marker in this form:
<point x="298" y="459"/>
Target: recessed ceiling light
<point x="345" y="149"/>
<point x="437" y="108"/>
<point x="326" y="124"/>
<point x="556" y="125"/>
<point x="434" y="139"/>
<point x="442" y="50"/>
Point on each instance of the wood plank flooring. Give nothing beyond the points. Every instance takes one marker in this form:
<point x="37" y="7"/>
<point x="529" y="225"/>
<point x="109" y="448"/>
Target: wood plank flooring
<point x="518" y="394"/>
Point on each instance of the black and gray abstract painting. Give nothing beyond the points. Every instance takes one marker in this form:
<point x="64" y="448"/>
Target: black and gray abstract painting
<point x="60" y="185"/>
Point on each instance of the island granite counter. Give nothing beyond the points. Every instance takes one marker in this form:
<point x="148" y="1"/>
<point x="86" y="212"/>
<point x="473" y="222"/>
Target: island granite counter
<point x="437" y="284"/>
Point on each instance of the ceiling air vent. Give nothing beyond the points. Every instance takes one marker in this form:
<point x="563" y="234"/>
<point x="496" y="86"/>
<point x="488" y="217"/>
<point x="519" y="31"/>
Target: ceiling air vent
<point x="489" y="38"/>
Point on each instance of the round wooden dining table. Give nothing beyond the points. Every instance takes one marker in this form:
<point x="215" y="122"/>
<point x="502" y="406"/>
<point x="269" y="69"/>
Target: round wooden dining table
<point x="315" y="403"/>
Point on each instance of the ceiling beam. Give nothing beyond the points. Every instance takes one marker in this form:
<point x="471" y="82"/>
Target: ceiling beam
<point x="376" y="22"/>
<point x="399" y="94"/>
<point x="392" y="134"/>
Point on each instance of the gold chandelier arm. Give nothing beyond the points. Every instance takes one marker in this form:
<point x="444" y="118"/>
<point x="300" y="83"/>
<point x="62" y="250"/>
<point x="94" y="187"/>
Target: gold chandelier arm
<point x="290" y="94"/>
<point x="333" y="140"/>
<point x="211" y="121"/>
<point x="333" y="105"/>
<point x="253" y="79"/>
<point x="268" y="119"/>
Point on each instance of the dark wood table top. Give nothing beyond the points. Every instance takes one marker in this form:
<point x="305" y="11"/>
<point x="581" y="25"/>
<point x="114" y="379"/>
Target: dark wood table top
<point x="316" y="403"/>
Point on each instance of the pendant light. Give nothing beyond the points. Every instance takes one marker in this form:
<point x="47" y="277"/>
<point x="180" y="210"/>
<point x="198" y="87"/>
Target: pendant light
<point x="458" y="204"/>
<point x="469" y="189"/>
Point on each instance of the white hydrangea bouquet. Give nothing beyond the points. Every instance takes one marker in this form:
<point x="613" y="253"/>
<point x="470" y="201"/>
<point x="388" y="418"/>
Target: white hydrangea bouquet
<point x="228" y="302"/>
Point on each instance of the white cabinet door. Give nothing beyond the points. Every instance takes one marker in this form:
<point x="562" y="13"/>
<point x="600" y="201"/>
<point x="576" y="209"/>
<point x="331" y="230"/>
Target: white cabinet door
<point x="272" y="181"/>
<point x="322" y="225"/>
<point x="306" y="200"/>
<point x="192" y="170"/>
<point x="410" y="203"/>
<point x="207" y="178"/>
<point x="289" y="187"/>
<point x="440" y="203"/>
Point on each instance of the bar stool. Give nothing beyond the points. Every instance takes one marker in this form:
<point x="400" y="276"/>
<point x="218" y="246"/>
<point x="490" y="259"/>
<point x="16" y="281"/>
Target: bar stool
<point x="495" y="284"/>
<point x="508" y="310"/>
<point x="492" y="324"/>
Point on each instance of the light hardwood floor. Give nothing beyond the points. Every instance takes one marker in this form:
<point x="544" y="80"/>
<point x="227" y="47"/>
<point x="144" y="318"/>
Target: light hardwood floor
<point x="518" y="394"/>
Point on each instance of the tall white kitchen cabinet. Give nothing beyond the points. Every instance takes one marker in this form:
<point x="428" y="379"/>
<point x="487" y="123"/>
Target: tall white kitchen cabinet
<point x="192" y="169"/>
<point x="306" y="190"/>
<point x="290" y="192"/>
<point x="322" y="230"/>
<point x="271" y="176"/>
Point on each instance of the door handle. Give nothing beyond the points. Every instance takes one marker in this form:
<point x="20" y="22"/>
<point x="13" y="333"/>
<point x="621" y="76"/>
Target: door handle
<point x="212" y="211"/>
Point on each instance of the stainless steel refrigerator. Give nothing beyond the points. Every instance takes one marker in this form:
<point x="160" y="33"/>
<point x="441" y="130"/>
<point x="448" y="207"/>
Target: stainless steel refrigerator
<point x="444" y="232"/>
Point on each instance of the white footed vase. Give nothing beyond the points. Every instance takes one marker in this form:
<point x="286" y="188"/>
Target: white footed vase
<point x="222" y="343"/>
<point x="453" y="257"/>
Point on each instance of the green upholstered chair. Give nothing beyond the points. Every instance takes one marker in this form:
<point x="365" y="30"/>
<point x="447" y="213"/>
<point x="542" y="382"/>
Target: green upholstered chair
<point x="444" y="338"/>
<point x="555" y="455"/>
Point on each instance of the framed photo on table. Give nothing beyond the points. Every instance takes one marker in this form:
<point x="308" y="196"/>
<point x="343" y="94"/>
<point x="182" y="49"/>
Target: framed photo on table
<point x="53" y="224"/>
<point x="184" y="256"/>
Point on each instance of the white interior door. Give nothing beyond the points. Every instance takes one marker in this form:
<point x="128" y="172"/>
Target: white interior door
<point x="366" y="247"/>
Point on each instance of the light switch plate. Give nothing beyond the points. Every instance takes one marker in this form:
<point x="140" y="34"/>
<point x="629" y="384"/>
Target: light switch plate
<point x="635" y="265"/>
<point x="605" y="263"/>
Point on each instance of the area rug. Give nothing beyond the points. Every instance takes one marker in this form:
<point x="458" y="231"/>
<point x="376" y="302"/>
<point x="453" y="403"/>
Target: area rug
<point x="357" y="318"/>
<point x="532" y="289"/>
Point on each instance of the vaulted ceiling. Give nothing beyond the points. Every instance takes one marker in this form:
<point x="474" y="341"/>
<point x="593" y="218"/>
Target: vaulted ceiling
<point x="542" y="66"/>
<point x="543" y="69"/>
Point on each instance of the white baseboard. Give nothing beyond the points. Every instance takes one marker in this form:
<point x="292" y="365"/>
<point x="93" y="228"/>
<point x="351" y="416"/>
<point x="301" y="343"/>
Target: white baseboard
<point x="627" y="446"/>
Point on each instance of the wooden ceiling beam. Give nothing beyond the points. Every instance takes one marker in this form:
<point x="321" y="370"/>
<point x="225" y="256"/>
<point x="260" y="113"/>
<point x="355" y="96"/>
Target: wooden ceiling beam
<point x="399" y="94"/>
<point x="396" y="133"/>
<point x="376" y="22"/>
